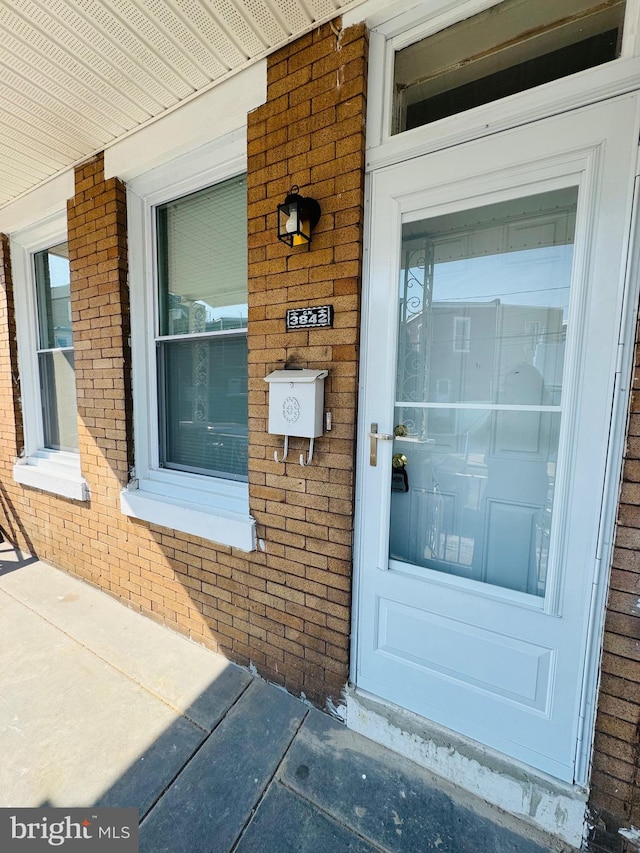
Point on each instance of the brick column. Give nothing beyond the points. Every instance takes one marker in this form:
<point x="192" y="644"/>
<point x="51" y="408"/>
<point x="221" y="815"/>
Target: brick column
<point x="100" y="315"/>
<point x="310" y="132"/>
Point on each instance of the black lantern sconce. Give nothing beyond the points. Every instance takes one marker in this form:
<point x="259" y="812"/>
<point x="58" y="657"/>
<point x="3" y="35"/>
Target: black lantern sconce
<point x="297" y="217"/>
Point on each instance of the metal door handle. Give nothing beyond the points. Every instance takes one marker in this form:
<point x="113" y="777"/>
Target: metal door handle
<point x="375" y="437"/>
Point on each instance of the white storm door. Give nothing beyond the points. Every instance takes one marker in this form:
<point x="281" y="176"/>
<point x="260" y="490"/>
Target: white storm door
<point x="491" y="329"/>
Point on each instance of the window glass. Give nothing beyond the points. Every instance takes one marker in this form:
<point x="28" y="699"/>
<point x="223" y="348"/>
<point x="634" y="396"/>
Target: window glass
<point x="52" y="293"/>
<point x="55" y="349"/>
<point x="478" y="423"/>
<point x="202" y="345"/>
<point x="202" y="260"/>
<point x="506" y="49"/>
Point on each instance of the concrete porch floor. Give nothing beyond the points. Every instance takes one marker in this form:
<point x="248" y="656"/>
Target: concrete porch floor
<point x="101" y="706"/>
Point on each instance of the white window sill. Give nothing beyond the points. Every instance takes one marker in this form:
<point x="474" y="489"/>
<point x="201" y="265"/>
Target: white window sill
<point x="194" y="512"/>
<point x="53" y="471"/>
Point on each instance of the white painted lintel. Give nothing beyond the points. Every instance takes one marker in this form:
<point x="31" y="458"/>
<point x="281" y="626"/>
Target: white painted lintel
<point x="210" y="116"/>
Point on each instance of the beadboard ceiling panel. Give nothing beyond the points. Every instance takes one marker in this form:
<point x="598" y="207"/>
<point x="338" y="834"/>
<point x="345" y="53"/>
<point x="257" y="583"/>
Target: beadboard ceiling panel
<point x="77" y="75"/>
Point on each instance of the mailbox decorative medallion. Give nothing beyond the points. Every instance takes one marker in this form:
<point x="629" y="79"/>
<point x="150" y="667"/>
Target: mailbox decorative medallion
<point x="291" y="410"/>
<point x="316" y="317"/>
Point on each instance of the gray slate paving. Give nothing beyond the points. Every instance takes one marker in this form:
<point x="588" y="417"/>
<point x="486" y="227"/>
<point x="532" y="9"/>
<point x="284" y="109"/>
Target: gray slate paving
<point x="214" y="702"/>
<point x="385" y="799"/>
<point x="288" y="824"/>
<point x="144" y="781"/>
<point x="208" y="805"/>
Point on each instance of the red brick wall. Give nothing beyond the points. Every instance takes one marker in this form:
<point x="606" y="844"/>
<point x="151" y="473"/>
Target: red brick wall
<point x="97" y="233"/>
<point x="97" y="221"/>
<point x="615" y="788"/>
<point x="310" y="133"/>
<point x="11" y="435"/>
<point x="286" y="608"/>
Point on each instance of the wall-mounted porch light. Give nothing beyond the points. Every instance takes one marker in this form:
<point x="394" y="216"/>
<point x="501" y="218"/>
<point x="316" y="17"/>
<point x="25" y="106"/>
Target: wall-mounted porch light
<point x="297" y="217"/>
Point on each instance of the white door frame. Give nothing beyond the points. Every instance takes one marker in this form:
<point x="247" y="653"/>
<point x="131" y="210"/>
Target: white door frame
<point x="611" y="491"/>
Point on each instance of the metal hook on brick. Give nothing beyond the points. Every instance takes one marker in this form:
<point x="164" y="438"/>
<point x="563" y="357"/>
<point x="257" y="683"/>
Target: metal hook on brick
<point x="286" y="450"/>
<point x="309" y="455"/>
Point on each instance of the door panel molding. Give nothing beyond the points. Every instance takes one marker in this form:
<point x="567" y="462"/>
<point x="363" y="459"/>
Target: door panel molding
<point x="403" y="629"/>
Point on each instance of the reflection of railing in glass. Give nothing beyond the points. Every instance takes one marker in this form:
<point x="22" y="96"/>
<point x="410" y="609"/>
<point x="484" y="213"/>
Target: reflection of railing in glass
<point x="415" y="316"/>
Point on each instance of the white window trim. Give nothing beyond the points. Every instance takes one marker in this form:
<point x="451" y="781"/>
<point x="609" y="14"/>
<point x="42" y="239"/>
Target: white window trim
<point x="55" y="471"/>
<point x="407" y="22"/>
<point x="210" y="507"/>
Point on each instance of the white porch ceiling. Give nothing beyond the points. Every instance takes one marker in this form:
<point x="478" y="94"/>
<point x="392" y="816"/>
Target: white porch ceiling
<point x="76" y="75"/>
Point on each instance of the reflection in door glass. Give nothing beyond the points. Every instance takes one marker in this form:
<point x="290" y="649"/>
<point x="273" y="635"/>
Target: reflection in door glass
<point x="483" y="303"/>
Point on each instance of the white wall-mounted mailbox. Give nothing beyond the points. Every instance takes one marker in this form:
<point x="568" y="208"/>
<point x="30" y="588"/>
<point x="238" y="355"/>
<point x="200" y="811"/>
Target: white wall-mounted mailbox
<point x="296" y="404"/>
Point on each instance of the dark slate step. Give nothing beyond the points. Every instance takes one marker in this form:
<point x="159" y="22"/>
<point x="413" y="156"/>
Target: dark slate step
<point x="386" y="799"/>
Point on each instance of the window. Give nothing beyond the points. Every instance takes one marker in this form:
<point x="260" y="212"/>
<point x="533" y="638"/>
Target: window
<point x="55" y="349"/>
<point x="508" y="48"/>
<point x="47" y="372"/>
<point x="202" y="322"/>
<point x="188" y="284"/>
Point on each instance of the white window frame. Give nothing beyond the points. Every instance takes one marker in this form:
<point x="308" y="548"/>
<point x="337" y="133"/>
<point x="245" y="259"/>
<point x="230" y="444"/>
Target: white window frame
<point x="393" y="28"/>
<point x="210" y="507"/>
<point x="55" y="471"/>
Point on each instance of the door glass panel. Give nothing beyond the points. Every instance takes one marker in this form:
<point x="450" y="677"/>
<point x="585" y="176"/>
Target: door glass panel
<point x="483" y="304"/>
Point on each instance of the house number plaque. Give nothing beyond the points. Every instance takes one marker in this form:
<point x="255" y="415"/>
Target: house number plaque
<point x="309" y="318"/>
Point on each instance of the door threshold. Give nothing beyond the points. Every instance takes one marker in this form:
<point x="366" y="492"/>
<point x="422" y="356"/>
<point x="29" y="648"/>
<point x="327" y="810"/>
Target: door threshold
<point x="547" y="804"/>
